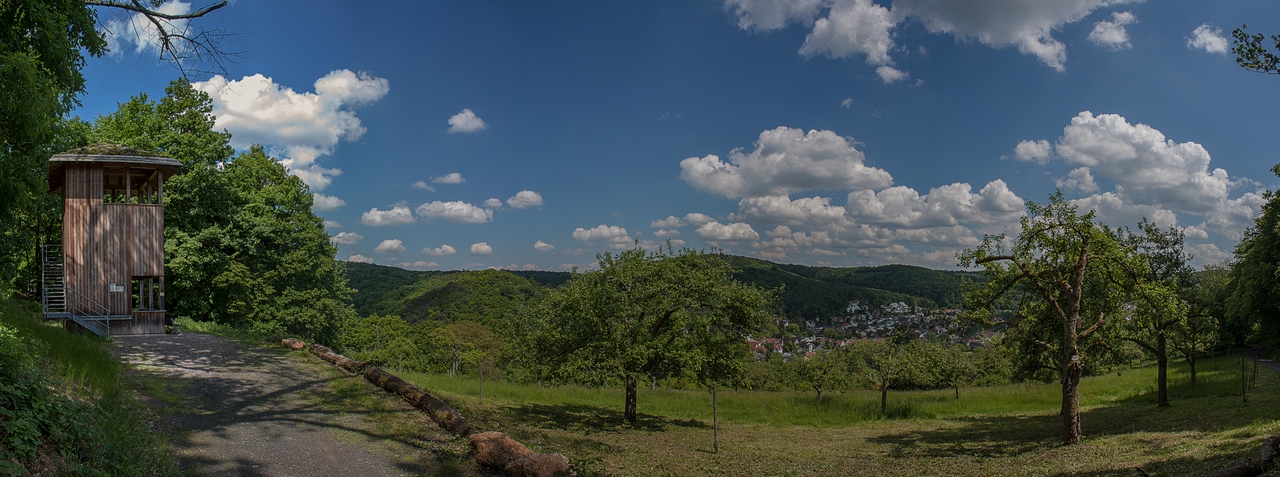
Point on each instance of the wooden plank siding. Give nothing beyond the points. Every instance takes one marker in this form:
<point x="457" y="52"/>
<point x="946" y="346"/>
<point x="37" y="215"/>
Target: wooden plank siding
<point x="109" y="244"/>
<point x="143" y="323"/>
<point x="146" y="240"/>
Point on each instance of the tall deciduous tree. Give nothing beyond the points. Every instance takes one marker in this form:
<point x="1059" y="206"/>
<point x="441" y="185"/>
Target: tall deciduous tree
<point x="242" y="246"/>
<point x="1255" y="291"/>
<point x="641" y="314"/>
<point x="1159" y="314"/>
<point x="1062" y="272"/>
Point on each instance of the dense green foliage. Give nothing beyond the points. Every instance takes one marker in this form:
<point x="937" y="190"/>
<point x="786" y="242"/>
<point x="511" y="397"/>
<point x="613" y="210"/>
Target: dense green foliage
<point x="62" y="411"/>
<point x="1253" y="308"/>
<point x="42" y="48"/>
<point x="242" y="246"/>
<point x="647" y="314"/>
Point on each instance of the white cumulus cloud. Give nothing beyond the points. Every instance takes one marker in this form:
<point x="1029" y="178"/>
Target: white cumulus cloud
<point x="853" y="27"/>
<point x="603" y="233"/>
<point x="389" y="246"/>
<point x="1036" y="151"/>
<point x="423" y="185"/>
<point x="440" y="251"/>
<point x="670" y="222"/>
<point x="785" y="160"/>
<point x="667" y="233"/>
<point x="357" y="258"/>
<point x="1080" y="180"/>
<point x="844" y="28"/>
<point x="947" y="205"/>
<point x="450" y="178"/>
<point x="466" y="121"/>
<point x="325" y="203"/>
<point x="332" y="224"/>
<point x="301" y="127"/>
<point x="398" y="215"/>
<point x="455" y="211"/>
<point x="889" y="74"/>
<point x="346" y="238"/>
<point x="481" y="248"/>
<point x="779" y="209"/>
<point x="525" y="199"/>
<point x="1208" y="38"/>
<point x="543" y="246"/>
<point x="733" y="232"/>
<point x="1112" y="34"/>
<point x="493" y="203"/>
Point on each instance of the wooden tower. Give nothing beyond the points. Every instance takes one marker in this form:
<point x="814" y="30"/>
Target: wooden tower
<point x="107" y="275"/>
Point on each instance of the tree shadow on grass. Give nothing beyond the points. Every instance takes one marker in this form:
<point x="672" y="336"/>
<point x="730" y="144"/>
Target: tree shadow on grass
<point x="1013" y="436"/>
<point x="588" y="419"/>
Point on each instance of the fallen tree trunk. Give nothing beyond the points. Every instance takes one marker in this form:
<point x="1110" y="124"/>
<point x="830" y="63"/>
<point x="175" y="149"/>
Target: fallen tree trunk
<point x="443" y="415"/>
<point x="338" y="360"/>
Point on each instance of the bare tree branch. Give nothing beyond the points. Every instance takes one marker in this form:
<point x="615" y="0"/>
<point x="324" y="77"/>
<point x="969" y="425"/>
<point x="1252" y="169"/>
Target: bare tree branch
<point x="136" y="7"/>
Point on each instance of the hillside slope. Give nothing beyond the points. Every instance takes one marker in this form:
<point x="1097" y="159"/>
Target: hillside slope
<point x="487" y="296"/>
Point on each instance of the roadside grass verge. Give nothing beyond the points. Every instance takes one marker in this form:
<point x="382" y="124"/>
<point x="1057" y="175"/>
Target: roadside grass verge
<point x="240" y="335"/>
<point x="63" y="409"/>
<point x="1006" y="430"/>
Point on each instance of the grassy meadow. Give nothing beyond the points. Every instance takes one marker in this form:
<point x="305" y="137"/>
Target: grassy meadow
<point x="1005" y="430"/>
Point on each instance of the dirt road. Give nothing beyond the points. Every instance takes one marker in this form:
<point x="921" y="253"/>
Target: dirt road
<point x="235" y="409"/>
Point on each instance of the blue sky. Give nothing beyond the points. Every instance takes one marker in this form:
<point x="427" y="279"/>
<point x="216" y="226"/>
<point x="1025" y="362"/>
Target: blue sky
<point x="823" y="132"/>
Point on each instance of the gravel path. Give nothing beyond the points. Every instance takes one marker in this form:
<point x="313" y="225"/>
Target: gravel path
<point x="233" y="409"/>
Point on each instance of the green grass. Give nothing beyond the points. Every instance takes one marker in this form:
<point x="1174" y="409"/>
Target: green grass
<point x="229" y="332"/>
<point x="1006" y="430"/>
<point x="87" y="380"/>
<point x="844" y="408"/>
<point x="80" y="360"/>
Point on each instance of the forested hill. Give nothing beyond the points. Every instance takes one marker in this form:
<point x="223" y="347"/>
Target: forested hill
<point x="818" y="292"/>
<point x="489" y="295"/>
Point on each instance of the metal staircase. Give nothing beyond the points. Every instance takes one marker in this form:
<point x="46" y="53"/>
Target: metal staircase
<point x="61" y="303"/>
<point x="53" y="298"/>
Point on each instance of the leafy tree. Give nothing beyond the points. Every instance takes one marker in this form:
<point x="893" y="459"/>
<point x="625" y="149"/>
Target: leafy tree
<point x="1065" y="275"/>
<point x="1255" y="291"/>
<point x="822" y="370"/>
<point x="955" y="366"/>
<point x="42" y="48"/>
<point x="1159" y="315"/>
<point x="640" y="313"/>
<point x="1206" y="316"/>
<point x="882" y="364"/>
<point x="242" y="246"/>
<point x="1252" y="52"/>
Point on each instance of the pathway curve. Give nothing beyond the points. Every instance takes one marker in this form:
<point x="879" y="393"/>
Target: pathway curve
<point x="1269" y="363"/>
<point x="233" y="409"/>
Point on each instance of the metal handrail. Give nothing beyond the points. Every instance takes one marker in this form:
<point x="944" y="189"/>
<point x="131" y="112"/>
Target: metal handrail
<point x="100" y="314"/>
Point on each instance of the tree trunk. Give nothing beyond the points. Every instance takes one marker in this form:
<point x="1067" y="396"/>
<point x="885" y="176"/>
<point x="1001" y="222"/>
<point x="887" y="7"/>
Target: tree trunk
<point x="819" y="390"/>
<point x="715" y="422"/>
<point x="629" y="412"/>
<point x="1191" y="361"/>
<point x="957" y="389"/>
<point x="1071" y="403"/>
<point x="653" y="383"/>
<point x="1162" y="371"/>
<point x="884" y="398"/>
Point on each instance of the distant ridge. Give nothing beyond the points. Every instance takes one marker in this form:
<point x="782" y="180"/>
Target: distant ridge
<point x="488" y="295"/>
